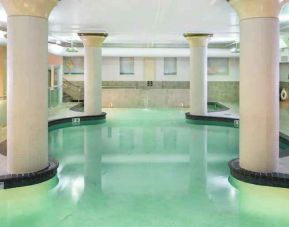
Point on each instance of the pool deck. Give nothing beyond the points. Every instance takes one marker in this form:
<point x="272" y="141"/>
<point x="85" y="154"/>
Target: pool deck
<point x="63" y="111"/>
<point x="284" y="128"/>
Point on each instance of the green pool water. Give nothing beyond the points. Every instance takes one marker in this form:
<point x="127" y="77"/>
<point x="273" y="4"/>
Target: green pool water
<point x="144" y="168"/>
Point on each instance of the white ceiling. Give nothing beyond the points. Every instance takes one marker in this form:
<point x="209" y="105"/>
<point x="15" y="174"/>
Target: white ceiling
<point x="145" y="21"/>
<point x="142" y="21"/>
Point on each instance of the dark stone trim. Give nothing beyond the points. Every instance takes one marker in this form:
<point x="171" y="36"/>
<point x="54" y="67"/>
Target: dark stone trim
<point x="214" y="120"/>
<point x="26" y="179"/>
<point x="187" y="35"/>
<point x="265" y="179"/>
<point x="103" y="34"/>
<point x="77" y="120"/>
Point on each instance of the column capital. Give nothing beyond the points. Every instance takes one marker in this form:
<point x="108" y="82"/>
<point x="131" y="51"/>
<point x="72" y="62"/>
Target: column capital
<point x="36" y="8"/>
<point x="92" y="39"/>
<point x="198" y="39"/>
<point x="257" y="8"/>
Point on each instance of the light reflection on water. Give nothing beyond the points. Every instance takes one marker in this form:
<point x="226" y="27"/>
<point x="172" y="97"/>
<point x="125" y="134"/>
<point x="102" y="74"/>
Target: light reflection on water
<point x="143" y="168"/>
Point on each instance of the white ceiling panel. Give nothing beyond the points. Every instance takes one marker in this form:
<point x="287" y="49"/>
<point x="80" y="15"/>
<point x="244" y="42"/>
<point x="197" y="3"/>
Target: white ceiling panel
<point x="144" y="21"/>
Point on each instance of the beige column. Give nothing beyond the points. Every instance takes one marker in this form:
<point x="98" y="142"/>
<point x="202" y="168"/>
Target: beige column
<point x="259" y="83"/>
<point x="198" y="70"/>
<point x="27" y="59"/>
<point x="92" y="71"/>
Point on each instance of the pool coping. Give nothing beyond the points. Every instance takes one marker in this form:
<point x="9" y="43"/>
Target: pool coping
<point x="214" y="120"/>
<point x="76" y="120"/>
<point x="273" y="179"/>
<point x="25" y="179"/>
<point x="9" y="181"/>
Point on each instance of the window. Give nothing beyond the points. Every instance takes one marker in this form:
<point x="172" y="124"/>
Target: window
<point x="126" y="66"/>
<point x="218" y="66"/>
<point x="170" y="66"/>
<point x="73" y="65"/>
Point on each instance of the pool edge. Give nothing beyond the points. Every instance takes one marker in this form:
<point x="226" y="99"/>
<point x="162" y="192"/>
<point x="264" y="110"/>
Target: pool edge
<point x="271" y="179"/>
<point x="26" y="179"/>
<point x="9" y="181"/>
<point x="274" y="179"/>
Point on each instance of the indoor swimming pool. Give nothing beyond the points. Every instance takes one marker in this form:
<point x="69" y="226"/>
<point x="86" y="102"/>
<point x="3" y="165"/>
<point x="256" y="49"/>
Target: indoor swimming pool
<point x="143" y="168"/>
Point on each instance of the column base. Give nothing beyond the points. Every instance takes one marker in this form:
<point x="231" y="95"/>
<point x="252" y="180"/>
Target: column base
<point x="213" y="120"/>
<point x="274" y="179"/>
<point x="20" y="180"/>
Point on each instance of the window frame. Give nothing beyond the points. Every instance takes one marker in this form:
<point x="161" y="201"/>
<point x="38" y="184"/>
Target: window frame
<point x="173" y="61"/>
<point x="122" y="66"/>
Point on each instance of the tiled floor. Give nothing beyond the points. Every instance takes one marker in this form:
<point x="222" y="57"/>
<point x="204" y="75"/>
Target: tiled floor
<point x="62" y="111"/>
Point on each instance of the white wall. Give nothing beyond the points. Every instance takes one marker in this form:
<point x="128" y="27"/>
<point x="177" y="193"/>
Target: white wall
<point x="111" y="71"/>
<point x="234" y="74"/>
<point x="183" y="71"/>
<point x="183" y="67"/>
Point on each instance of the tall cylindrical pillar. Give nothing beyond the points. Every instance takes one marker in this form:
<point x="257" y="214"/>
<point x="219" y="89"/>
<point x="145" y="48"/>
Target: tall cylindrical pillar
<point x="198" y="72"/>
<point x="27" y="139"/>
<point x="259" y="83"/>
<point x="92" y="72"/>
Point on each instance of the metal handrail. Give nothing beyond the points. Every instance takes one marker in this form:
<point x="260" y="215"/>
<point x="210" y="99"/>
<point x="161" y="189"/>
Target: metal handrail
<point x="71" y="84"/>
<point x="55" y="86"/>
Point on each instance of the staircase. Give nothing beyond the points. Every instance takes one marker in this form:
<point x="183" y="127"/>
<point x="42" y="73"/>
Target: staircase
<point x="72" y="91"/>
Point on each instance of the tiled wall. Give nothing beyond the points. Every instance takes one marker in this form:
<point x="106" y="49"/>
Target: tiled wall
<point x="145" y="98"/>
<point x="227" y="91"/>
<point x="165" y="93"/>
<point x="161" y="93"/>
<point x="144" y="84"/>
